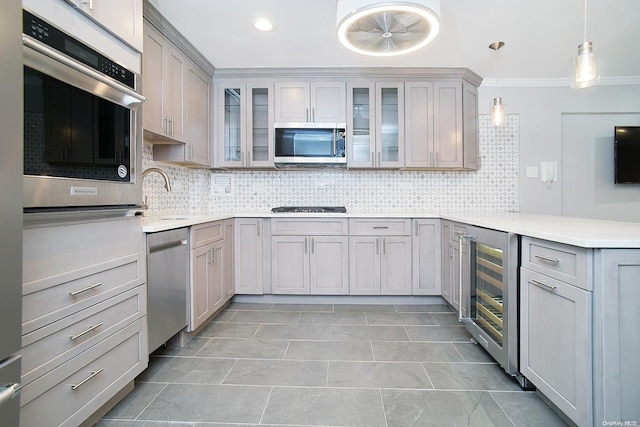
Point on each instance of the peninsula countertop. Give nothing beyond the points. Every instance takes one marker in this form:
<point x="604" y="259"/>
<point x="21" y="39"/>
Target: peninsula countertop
<point x="583" y="232"/>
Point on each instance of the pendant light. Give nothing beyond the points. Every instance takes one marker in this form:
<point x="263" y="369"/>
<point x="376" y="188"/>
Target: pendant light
<point x="387" y="27"/>
<point x="497" y="106"/>
<point x="584" y="73"/>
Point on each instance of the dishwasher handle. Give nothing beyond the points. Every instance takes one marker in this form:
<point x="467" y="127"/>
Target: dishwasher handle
<point x="168" y="245"/>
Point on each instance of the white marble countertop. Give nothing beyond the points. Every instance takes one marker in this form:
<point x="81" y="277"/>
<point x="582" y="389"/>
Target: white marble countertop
<point x="582" y="232"/>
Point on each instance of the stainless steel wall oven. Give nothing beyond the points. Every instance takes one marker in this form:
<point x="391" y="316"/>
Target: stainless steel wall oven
<point x="489" y="294"/>
<point x="82" y="127"/>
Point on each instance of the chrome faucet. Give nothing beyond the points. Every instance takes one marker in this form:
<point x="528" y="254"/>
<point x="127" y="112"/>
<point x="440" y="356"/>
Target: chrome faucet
<point x="167" y="183"/>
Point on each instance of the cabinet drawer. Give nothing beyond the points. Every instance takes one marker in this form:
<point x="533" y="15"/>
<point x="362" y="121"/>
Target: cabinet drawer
<point x="307" y="227"/>
<point x="570" y="264"/>
<point x="52" y="345"/>
<point x="378" y="227"/>
<point x="206" y="233"/>
<point x="96" y="374"/>
<point x="48" y="300"/>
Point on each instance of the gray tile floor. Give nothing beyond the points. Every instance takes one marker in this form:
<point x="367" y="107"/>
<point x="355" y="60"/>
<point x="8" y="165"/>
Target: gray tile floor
<point x="328" y="365"/>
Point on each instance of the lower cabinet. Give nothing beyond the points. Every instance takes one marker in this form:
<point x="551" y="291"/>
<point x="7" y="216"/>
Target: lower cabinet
<point x="310" y="256"/>
<point x="84" y="317"/>
<point x="451" y="232"/>
<point x="211" y="267"/>
<point x="426" y="257"/>
<point x="380" y="256"/>
<point x="249" y="255"/>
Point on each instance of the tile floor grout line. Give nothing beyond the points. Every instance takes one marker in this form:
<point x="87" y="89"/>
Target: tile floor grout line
<point x="266" y="403"/>
<point x="235" y="362"/>
<point x="500" y="406"/>
<point x="424" y="368"/>
<point x="151" y="401"/>
<point x="384" y="412"/>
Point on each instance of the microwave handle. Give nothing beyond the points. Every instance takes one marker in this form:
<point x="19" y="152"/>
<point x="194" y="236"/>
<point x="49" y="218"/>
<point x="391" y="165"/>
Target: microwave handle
<point x="335" y="150"/>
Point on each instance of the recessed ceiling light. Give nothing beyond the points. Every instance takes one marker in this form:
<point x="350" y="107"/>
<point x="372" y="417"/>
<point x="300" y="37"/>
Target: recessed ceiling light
<point x="263" y="24"/>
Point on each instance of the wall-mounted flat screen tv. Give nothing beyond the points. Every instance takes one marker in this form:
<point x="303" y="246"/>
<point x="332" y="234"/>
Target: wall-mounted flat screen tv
<point x="627" y="154"/>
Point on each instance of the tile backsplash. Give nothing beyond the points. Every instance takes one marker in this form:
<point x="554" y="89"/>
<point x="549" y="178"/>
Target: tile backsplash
<point x="494" y="187"/>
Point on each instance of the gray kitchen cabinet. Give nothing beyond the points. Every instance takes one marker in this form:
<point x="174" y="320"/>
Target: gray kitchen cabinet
<point x="380" y="257"/>
<point x="375" y="131"/>
<point x="84" y="317"/>
<point x="310" y="102"/>
<point x="441" y="125"/>
<point x="228" y="283"/>
<point x="164" y="70"/>
<point x="122" y="18"/>
<point x="196" y="151"/>
<point x="426" y="278"/>
<point x="616" y="333"/>
<point x="451" y="254"/>
<point x="207" y="271"/>
<point x="310" y="256"/>
<point x="249" y="255"/>
<point x="244" y="113"/>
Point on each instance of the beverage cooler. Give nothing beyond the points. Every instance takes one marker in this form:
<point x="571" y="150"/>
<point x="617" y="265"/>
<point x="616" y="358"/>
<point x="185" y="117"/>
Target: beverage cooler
<point x="489" y="293"/>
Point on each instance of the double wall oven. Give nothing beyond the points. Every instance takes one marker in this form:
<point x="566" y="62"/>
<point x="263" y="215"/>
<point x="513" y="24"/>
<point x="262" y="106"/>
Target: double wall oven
<point x="82" y="124"/>
<point x="488" y="284"/>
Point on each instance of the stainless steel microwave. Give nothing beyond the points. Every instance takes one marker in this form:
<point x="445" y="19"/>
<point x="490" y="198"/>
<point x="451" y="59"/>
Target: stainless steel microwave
<point x="82" y="127"/>
<point x="310" y="144"/>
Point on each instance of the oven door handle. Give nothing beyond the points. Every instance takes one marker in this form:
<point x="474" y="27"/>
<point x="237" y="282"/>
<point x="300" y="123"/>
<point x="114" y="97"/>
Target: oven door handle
<point x="45" y="50"/>
<point x="461" y="240"/>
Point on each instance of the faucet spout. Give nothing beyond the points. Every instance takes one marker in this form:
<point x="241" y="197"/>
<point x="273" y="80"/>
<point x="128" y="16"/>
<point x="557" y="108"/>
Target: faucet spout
<point x="167" y="183"/>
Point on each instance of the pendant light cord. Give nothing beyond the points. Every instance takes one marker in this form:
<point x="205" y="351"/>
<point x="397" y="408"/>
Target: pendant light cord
<point x="585" y="20"/>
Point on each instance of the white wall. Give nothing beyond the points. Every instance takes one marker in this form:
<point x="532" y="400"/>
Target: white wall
<point x="542" y="112"/>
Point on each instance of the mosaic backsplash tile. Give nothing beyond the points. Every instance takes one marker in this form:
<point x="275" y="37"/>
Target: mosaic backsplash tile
<point x="493" y="188"/>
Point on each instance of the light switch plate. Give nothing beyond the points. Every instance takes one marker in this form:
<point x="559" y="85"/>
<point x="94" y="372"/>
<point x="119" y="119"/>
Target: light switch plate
<point x="532" y="171"/>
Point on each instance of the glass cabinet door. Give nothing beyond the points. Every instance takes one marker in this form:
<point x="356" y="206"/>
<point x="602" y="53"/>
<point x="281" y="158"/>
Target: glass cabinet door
<point x="487" y="281"/>
<point x="246" y="137"/>
<point x="361" y="125"/>
<point x="390" y="124"/>
<point x="260" y="126"/>
<point x="233" y="125"/>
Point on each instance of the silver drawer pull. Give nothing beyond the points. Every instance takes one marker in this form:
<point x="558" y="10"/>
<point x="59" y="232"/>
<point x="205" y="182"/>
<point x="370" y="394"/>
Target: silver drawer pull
<point x="88" y="288"/>
<point x="542" y="284"/>
<point x="84" y="381"/>
<point x="9" y="391"/>
<point x="546" y="258"/>
<point x="380" y="227"/>
<point x="89" y="329"/>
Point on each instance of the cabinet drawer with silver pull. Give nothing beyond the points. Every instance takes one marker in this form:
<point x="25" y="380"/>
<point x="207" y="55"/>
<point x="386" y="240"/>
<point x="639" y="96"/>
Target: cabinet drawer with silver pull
<point x="54" y="344"/>
<point x="378" y="227"/>
<point x="74" y="390"/>
<point x="567" y="263"/>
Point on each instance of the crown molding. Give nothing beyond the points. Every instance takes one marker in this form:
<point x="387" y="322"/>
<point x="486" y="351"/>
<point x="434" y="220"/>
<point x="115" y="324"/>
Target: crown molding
<point x="557" y="82"/>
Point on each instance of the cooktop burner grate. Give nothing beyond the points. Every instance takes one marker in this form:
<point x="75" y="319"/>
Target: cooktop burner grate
<point x="309" y="209"/>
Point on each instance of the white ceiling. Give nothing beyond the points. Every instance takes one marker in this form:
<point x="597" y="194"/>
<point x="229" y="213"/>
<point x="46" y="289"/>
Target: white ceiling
<point x="541" y="36"/>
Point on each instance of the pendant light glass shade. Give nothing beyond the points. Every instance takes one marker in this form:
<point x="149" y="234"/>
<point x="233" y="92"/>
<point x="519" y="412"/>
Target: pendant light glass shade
<point x="585" y="67"/>
<point x="497" y="112"/>
<point x="584" y="71"/>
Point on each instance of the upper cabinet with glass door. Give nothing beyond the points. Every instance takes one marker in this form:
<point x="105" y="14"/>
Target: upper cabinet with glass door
<point x="245" y="131"/>
<point x="376" y="125"/>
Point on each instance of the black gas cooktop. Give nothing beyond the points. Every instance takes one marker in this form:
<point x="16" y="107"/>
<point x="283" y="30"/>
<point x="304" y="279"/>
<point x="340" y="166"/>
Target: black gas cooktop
<point x="309" y="209"/>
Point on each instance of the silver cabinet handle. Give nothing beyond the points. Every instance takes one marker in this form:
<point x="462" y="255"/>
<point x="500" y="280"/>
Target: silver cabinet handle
<point x="377" y="246"/>
<point x="89" y="2"/>
<point x="213" y="255"/>
<point x="86" y="331"/>
<point x="87" y="289"/>
<point x="306" y="250"/>
<point x="384" y="246"/>
<point x="258" y="224"/>
<point x="542" y="285"/>
<point x="379" y="158"/>
<point x="242" y="158"/>
<point x="381" y="227"/>
<point x="313" y="243"/>
<point x="8" y="392"/>
<point x="84" y="381"/>
<point x="313" y="115"/>
<point x="548" y="259"/>
<point x="306" y="115"/>
<point x="165" y="125"/>
<point x="415" y="226"/>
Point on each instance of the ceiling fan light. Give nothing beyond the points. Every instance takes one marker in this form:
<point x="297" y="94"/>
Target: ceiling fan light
<point x="585" y="74"/>
<point x="497" y="112"/>
<point x="387" y="28"/>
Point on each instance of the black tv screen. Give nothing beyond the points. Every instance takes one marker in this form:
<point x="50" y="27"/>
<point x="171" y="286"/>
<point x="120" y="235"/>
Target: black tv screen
<point x="627" y="154"/>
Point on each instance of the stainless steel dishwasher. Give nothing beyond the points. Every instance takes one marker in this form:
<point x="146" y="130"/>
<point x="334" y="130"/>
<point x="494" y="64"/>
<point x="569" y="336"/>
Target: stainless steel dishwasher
<point x="167" y="284"/>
